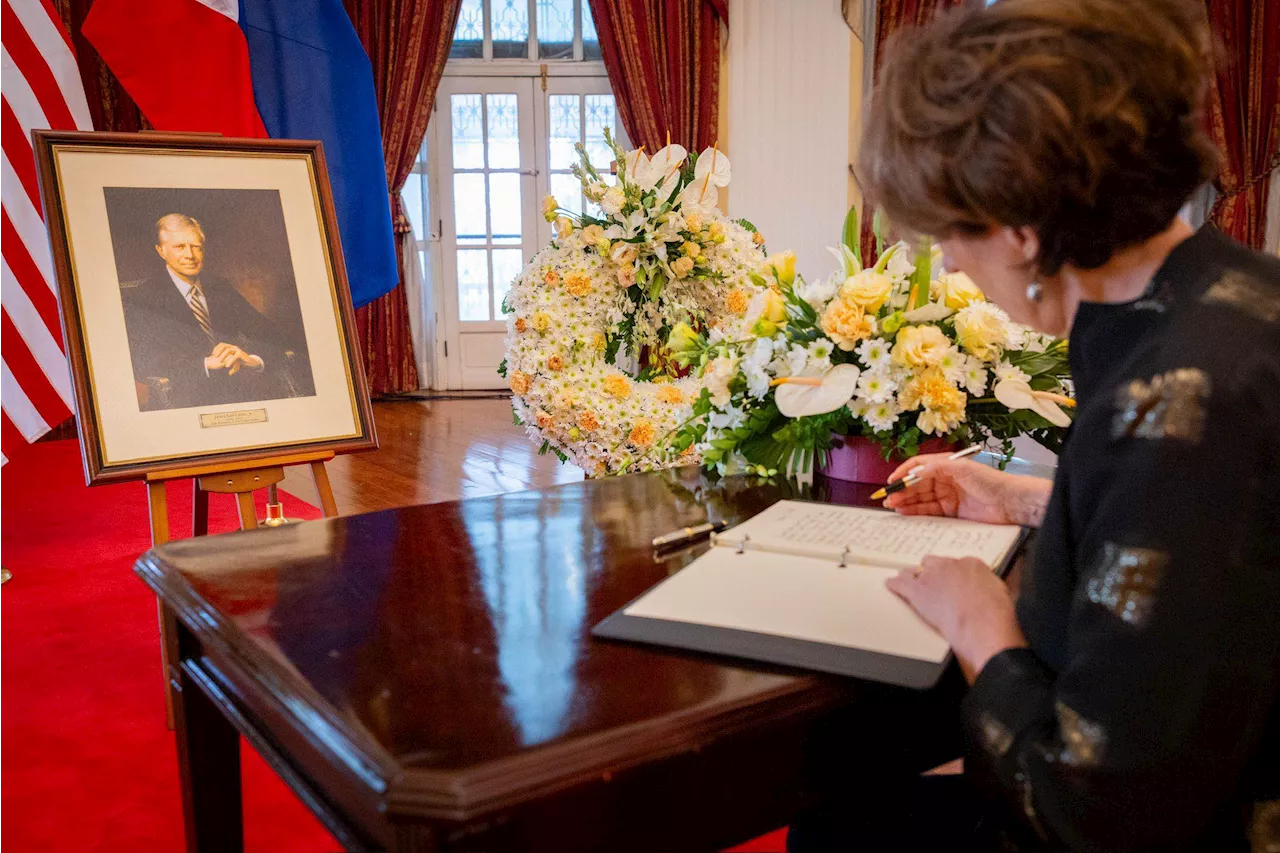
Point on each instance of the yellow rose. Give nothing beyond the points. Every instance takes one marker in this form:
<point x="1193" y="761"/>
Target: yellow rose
<point x="616" y="385"/>
<point x="691" y="249"/>
<point x="846" y="323"/>
<point x="716" y="229"/>
<point x="564" y="226"/>
<point x="868" y="288"/>
<point x="783" y="265"/>
<point x="577" y="283"/>
<point x="682" y="267"/>
<point x="642" y="434"/>
<point x="541" y="321"/>
<point x="519" y="382"/>
<point x="737" y="301"/>
<point x="983" y="330"/>
<point x="919" y="346"/>
<point x="670" y="394"/>
<point x="956" y="290"/>
<point x="549" y="207"/>
<point x="693" y="222"/>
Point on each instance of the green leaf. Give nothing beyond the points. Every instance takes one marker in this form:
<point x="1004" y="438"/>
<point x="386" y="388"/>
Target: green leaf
<point x="920" y="277"/>
<point x="502" y="368"/>
<point x="880" y="228"/>
<point x="851" y="236"/>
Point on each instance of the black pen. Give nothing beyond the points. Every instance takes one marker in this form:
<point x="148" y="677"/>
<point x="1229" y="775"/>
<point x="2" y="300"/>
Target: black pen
<point x="688" y="534"/>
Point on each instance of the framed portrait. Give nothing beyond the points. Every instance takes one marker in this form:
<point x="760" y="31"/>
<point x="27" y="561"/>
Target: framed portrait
<point x="205" y="308"/>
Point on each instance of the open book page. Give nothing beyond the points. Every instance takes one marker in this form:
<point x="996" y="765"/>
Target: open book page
<point x="871" y="536"/>
<point x="797" y="597"/>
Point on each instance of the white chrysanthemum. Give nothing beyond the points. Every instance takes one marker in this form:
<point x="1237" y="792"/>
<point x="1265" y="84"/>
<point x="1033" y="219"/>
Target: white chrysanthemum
<point x="975" y="377"/>
<point x="881" y="416"/>
<point x="1005" y="370"/>
<point x="874" y="352"/>
<point x="875" y="386"/>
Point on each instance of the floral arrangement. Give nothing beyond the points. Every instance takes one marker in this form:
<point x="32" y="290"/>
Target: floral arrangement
<point x="897" y="353"/>
<point x="610" y="287"/>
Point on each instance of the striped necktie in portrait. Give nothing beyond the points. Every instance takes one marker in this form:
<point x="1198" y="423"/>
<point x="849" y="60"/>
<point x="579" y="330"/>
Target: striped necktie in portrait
<point x="195" y="298"/>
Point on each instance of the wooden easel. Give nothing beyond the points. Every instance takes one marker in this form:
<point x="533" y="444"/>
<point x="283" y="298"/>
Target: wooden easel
<point x="240" y="479"/>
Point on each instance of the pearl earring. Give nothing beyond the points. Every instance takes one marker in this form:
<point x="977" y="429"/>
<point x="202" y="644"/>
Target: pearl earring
<point x="1035" y="292"/>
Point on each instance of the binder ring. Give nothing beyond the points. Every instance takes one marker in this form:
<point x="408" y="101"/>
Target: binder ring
<point x="844" y="557"/>
<point x="742" y="543"/>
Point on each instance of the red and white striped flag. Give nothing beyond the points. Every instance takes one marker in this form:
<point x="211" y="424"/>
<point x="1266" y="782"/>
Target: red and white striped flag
<point x="41" y="88"/>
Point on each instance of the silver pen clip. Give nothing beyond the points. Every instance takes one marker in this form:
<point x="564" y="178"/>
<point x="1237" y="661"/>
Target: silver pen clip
<point x="742" y="543"/>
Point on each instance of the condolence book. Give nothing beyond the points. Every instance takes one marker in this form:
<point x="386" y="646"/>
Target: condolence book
<point x="803" y="584"/>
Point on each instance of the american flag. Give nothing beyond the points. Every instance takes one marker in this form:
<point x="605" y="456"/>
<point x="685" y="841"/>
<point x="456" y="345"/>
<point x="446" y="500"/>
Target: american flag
<point x="41" y="88"/>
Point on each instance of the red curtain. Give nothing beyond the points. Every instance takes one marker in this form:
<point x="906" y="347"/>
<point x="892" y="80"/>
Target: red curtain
<point x="408" y="44"/>
<point x="1244" y="113"/>
<point x="663" y="59"/>
<point x="891" y="16"/>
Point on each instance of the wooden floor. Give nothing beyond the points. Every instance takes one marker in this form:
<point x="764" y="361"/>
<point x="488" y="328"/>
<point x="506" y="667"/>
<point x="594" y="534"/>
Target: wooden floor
<point x="439" y="450"/>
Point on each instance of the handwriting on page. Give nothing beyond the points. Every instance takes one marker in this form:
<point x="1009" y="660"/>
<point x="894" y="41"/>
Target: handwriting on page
<point x="897" y="539"/>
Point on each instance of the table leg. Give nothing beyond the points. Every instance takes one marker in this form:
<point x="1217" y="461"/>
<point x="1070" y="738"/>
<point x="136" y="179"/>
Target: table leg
<point x="209" y="764"/>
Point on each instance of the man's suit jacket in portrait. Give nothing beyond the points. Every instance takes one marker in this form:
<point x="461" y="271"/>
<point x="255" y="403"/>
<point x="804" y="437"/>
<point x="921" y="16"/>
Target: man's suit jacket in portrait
<point x="168" y="346"/>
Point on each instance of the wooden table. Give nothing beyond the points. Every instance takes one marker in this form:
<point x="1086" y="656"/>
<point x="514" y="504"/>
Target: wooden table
<point x="424" y="679"/>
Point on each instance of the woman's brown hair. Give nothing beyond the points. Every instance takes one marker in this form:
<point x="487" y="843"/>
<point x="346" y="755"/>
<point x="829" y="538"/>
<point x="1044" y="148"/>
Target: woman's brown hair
<point x="1081" y="119"/>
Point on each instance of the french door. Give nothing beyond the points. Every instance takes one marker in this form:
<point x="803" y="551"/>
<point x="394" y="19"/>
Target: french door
<point x="501" y="144"/>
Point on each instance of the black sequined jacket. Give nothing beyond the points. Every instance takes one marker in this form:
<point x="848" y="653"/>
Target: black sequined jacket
<point x="1144" y="714"/>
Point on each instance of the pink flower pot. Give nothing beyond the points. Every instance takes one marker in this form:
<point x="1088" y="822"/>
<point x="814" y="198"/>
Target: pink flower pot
<point x="860" y="460"/>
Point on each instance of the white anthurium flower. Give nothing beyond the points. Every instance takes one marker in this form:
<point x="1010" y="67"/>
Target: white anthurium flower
<point x="663" y="169"/>
<point x="929" y="313"/>
<point x="701" y="194"/>
<point x="801" y="396"/>
<point x="1016" y="394"/>
<point x="714" y="165"/>
<point x="635" y="166"/>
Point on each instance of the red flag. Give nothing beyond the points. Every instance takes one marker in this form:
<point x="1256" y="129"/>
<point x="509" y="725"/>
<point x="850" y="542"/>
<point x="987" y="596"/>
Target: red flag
<point x="41" y="89"/>
<point x="185" y="62"/>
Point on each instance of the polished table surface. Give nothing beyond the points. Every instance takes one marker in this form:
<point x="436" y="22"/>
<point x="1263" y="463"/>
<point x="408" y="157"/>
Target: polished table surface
<point x="426" y="680"/>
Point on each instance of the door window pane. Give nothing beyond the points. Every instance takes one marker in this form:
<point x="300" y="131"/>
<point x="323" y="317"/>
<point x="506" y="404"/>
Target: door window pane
<point x="602" y="112"/>
<point x="503" y="115"/>
<point x="468" y="132"/>
<point x="414" y="207"/>
<point x="566" y="131"/>
<point x="590" y="41"/>
<point x="504" y="204"/>
<point x="567" y="190"/>
<point x="555" y="29"/>
<point x="468" y="206"/>
<point x="468" y="36"/>
<point x="473" y="284"/>
<point x="510" y="29"/>
<point x="507" y="264"/>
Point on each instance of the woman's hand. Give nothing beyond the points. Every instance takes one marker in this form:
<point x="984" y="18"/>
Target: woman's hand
<point x="967" y="604"/>
<point x="961" y="488"/>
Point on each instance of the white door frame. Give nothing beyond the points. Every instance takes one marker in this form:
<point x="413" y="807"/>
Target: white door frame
<point x="451" y="373"/>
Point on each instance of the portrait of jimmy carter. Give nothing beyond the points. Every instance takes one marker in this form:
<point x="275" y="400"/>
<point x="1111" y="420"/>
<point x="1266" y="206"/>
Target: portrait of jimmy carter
<point x="194" y="340"/>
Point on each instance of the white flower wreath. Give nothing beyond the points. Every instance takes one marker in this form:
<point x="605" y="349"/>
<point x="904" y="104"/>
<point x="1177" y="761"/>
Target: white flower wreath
<point x="657" y="256"/>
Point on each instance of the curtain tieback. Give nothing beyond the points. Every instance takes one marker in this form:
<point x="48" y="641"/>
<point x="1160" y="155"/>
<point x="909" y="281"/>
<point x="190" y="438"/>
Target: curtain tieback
<point x="399" y="221"/>
<point x="1246" y="185"/>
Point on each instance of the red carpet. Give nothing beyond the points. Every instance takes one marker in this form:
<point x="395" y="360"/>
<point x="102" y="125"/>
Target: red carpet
<point x="88" y="764"/>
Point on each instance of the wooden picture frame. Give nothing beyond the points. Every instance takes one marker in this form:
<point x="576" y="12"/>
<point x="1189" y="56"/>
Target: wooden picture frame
<point x="98" y="191"/>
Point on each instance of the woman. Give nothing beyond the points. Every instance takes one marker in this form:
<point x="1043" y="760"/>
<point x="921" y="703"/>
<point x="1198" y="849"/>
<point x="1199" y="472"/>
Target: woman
<point x="1129" y="701"/>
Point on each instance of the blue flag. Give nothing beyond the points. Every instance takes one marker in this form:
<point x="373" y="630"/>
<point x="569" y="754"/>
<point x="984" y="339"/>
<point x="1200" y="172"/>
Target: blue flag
<point x="312" y="80"/>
